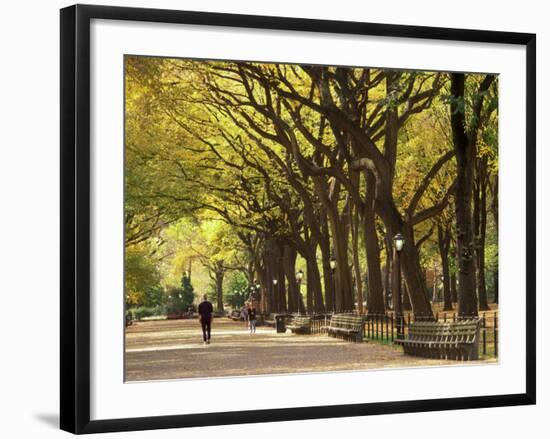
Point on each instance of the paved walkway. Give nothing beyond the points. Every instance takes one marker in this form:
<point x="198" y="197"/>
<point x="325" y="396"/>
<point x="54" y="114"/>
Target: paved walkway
<point x="172" y="349"/>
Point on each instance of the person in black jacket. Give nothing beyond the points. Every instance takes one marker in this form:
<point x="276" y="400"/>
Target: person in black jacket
<point x="205" y="316"/>
<point x="252" y="319"/>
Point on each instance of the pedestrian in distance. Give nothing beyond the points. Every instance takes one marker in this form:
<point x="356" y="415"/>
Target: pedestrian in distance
<point x="205" y="315"/>
<point x="252" y="320"/>
<point x="244" y="315"/>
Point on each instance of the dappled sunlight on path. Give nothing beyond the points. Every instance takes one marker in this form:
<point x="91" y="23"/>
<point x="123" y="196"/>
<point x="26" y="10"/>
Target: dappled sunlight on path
<point x="173" y="349"/>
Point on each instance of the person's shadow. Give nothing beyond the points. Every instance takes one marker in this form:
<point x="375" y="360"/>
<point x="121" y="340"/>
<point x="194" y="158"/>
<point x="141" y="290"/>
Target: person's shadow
<point x="49" y="419"/>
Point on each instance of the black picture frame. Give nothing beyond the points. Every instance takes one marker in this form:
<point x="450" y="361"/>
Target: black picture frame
<point x="75" y="217"/>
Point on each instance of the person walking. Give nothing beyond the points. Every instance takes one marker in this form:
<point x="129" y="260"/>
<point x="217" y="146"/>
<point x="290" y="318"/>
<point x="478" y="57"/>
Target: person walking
<point x="244" y="315"/>
<point x="252" y="320"/>
<point x="205" y="315"/>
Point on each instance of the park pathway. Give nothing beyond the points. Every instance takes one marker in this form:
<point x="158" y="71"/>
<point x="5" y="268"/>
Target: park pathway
<point x="173" y="349"/>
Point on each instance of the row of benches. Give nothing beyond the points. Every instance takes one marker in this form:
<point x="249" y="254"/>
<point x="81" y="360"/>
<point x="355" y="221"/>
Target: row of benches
<point x="345" y="326"/>
<point x="445" y="340"/>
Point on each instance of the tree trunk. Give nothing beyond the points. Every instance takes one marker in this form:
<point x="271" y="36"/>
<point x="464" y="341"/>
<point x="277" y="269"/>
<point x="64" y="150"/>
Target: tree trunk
<point x="219" y="274"/>
<point x="289" y="264"/>
<point x="309" y="277"/>
<point x="343" y="272"/>
<point x="495" y="283"/>
<point x="375" y="292"/>
<point x="407" y="306"/>
<point x="480" y="223"/>
<point x="280" y="272"/>
<point x="494" y="211"/>
<point x="339" y="232"/>
<point x="444" y="242"/>
<point x="324" y="244"/>
<point x="387" y="269"/>
<point x="410" y="261"/>
<point x="454" y="296"/>
<point x="356" y="265"/>
<point x="314" y="277"/>
<point x="465" y="155"/>
<point x="410" y="265"/>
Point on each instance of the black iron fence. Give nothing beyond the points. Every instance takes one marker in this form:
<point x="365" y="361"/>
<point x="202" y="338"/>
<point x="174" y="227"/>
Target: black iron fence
<point x="385" y="328"/>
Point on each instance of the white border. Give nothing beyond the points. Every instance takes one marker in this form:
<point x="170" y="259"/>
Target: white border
<point x="111" y="398"/>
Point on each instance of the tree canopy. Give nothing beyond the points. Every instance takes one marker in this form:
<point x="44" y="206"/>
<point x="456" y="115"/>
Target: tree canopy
<point x="266" y="169"/>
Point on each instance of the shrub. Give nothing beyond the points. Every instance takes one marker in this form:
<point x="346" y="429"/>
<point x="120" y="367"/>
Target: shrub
<point x="146" y="311"/>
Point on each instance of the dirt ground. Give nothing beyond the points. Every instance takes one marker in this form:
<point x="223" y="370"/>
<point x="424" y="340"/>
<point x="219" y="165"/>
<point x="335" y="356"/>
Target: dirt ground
<point x="173" y="349"/>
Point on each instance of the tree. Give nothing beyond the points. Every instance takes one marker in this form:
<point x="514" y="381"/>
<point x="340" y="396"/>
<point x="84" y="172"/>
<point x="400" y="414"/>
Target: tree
<point x="267" y="168"/>
<point x="465" y="137"/>
<point x="188" y="292"/>
<point x="140" y="275"/>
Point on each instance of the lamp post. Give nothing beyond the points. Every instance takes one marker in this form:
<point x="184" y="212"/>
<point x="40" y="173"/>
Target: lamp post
<point x="333" y="268"/>
<point x="299" y="276"/>
<point x="398" y="242"/>
<point x="259" y="297"/>
<point x="275" y="296"/>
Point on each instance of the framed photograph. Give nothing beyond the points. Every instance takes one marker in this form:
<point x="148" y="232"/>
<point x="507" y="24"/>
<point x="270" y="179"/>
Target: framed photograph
<point x="273" y="218"/>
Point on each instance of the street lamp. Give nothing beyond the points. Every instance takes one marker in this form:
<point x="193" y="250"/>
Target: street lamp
<point x="333" y="263"/>
<point x="398" y="242"/>
<point x="275" y="295"/>
<point x="333" y="268"/>
<point x="299" y="276"/>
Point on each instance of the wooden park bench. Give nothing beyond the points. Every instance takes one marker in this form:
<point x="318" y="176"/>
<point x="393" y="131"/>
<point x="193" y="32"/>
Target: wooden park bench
<point x="235" y="316"/>
<point x="346" y="326"/>
<point x="300" y="324"/>
<point x="447" y="340"/>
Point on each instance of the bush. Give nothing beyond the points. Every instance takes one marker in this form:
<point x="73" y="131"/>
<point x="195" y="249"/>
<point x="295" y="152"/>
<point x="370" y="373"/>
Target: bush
<point x="141" y="312"/>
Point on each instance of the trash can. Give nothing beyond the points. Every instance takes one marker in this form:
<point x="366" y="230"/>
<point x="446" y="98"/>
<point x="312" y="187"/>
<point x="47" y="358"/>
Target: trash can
<point x="280" y="323"/>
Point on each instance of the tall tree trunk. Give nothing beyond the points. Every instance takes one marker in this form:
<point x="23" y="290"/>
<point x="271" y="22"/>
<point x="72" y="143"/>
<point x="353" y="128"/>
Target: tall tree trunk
<point x="356" y="265"/>
<point x="387" y="269"/>
<point x="410" y="260"/>
<point x="407" y="306"/>
<point x="444" y="242"/>
<point x="454" y="295"/>
<point x="309" y="291"/>
<point x="309" y="277"/>
<point x="375" y="292"/>
<point x="343" y="272"/>
<point x="280" y="272"/>
<point x="314" y="279"/>
<point x="410" y="265"/>
<point x="289" y="264"/>
<point x="494" y="211"/>
<point x="495" y="283"/>
<point x="465" y="155"/>
<point x="268" y="275"/>
<point x="324" y="244"/>
<point x="480" y="247"/>
<point x="219" y="274"/>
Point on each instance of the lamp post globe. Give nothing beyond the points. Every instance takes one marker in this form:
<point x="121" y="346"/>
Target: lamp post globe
<point x="299" y="275"/>
<point x="332" y="263"/>
<point x="399" y="242"/>
<point x="275" y="281"/>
